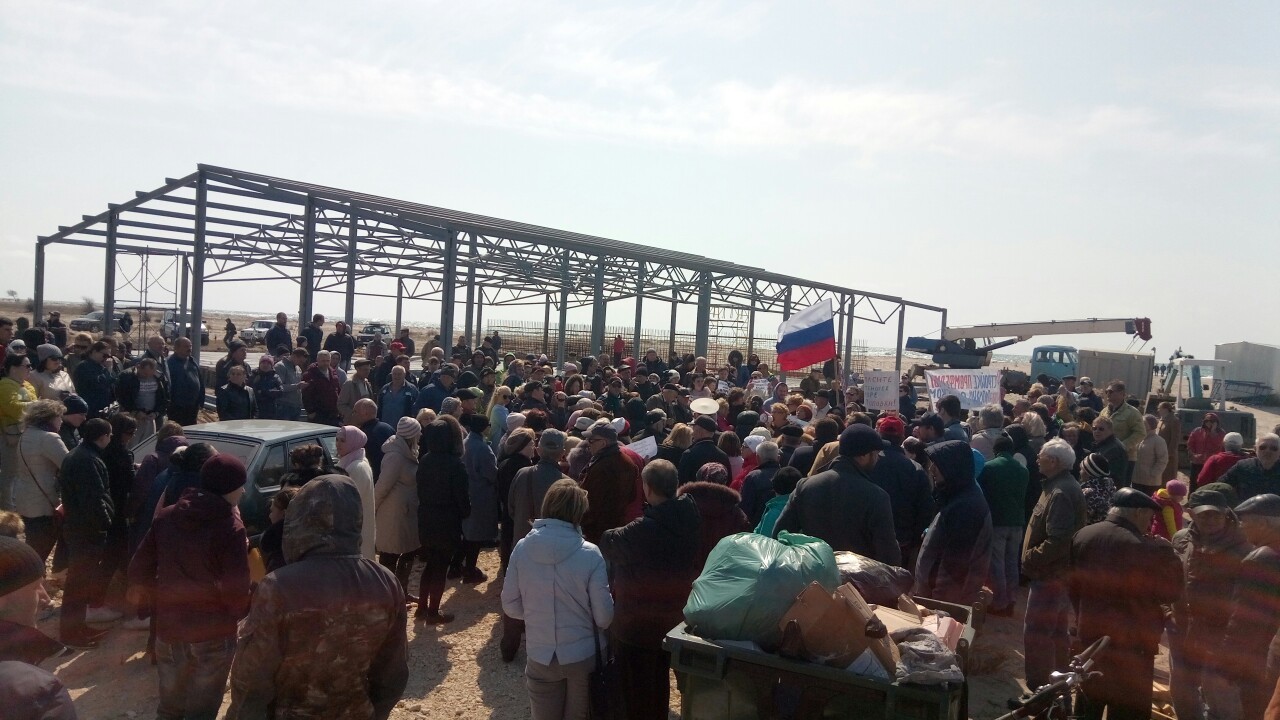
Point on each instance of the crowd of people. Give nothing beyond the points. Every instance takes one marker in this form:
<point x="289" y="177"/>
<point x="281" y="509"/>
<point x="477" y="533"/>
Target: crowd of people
<point x="603" y="485"/>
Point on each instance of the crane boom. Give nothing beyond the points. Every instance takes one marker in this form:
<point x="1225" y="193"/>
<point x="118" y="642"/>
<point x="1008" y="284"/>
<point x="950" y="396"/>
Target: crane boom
<point x="1027" y="330"/>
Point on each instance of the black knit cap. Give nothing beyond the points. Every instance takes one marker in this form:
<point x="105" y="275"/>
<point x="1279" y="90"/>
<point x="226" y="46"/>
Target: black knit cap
<point x="19" y="565"/>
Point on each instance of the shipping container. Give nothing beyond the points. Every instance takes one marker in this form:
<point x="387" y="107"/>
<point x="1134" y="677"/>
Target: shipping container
<point x="1103" y="366"/>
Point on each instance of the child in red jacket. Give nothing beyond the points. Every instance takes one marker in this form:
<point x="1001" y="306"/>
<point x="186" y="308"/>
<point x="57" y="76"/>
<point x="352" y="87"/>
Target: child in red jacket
<point x="1170" y="498"/>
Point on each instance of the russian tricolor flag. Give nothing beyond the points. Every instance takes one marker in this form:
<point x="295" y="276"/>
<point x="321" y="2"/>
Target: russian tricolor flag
<point x="807" y="338"/>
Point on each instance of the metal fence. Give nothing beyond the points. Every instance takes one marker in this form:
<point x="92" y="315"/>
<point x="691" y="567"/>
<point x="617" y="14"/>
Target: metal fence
<point x="534" y="337"/>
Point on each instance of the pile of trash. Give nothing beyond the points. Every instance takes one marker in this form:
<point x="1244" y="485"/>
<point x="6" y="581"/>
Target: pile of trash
<point x="794" y="597"/>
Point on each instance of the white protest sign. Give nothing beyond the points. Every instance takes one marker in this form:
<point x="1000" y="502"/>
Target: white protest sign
<point x="758" y="388"/>
<point x="645" y="447"/>
<point x="975" y="388"/>
<point x="723" y="387"/>
<point x="880" y="391"/>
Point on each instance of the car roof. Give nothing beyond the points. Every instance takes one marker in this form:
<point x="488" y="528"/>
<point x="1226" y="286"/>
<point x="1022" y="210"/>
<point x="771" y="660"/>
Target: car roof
<point x="265" y="430"/>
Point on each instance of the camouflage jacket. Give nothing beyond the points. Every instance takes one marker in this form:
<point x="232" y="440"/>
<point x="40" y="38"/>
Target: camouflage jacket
<point x="325" y="636"/>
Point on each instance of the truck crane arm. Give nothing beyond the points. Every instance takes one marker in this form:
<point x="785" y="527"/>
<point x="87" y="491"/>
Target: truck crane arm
<point x="958" y="347"/>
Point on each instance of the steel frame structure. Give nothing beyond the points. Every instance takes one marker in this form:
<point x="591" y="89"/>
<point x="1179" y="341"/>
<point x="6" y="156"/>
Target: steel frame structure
<point x="220" y="221"/>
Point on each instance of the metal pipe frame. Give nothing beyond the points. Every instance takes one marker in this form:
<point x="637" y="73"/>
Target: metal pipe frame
<point x="235" y="224"/>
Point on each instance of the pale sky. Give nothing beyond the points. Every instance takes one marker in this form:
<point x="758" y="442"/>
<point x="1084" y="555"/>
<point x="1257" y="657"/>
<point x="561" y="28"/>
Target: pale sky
<point x="1009" y="161"/>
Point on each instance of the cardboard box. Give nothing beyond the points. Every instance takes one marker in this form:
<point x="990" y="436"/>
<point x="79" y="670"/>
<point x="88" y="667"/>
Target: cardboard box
<point x="885" y="650"/>
<point x="821" y="627"/>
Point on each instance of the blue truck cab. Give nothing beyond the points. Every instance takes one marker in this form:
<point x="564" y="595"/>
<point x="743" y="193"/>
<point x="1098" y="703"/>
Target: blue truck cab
<point x="1055" y="361"/>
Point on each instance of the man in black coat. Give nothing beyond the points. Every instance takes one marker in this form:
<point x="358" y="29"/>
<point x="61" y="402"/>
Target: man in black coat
<point x="1119" y="581"/>
<point x="910" y="493"/>
<point x="314" y="333"/>
<point x="86" y="498"/>
<point x="1255" y="608"/>
<point x="842" y="506"/>
<point x="278" y="335"/>
<point x="653" y="564"/>
<point x="702" y="451"/>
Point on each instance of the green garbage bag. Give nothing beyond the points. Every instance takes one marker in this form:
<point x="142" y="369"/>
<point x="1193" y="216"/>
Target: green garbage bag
<point x="750" y="581"/>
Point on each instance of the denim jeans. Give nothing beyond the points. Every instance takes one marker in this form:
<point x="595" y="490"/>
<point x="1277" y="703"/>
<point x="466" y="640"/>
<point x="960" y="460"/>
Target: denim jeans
<point x="1006" y="553"/>
<point x="1045" y="637"/>
<point x="193" y="677"/>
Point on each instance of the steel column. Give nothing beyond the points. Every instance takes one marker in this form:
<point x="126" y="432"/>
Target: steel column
<point x="902" y="321"/>
<point x="471" y="292"/>
<point x="546" y="326"/>
<point x="635" y="343"/>
<point x="109" y="279"/>
<point x="479" y="316"/>
<point x="848" y="339"/>
<point x="786" y="314"/>
<point x="37" y="297"/>
<point x="751" y="322"/>
<point x="842" y="345"/>
<point x="184" y="282"/>
<point x="399" y="306"/>
<point x="307" y="278"/>
<point x="564" y="310"/>
<point x="197" y="266"/>
<point x="598" y="310"/>
<point x="704" y="315"/>
<point x="350" y="307"/>
<point x="671" y="339"/>
<point x="448" y="290"/>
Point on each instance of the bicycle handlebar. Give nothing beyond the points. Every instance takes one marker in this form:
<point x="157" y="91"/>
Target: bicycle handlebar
<point x="1080" y="666"/>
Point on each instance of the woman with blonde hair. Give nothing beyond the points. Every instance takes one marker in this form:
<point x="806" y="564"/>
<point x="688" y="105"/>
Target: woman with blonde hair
<point x="497" y="412"/>
<point x="556" y="583"/>
<point x="1034" y="425"/>
<point x="678" y="440"/>
<point x="40" y="452"/>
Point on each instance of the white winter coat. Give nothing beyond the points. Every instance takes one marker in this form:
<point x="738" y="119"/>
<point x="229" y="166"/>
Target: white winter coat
<point x="396" y="498"/>
<point x="553" y="577"/>
<point x="36" y="489"/>
<point x="362" y="475"/>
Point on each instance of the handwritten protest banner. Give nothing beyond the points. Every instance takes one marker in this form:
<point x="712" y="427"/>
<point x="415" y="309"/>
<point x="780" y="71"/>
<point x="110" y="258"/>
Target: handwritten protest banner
<point x="975" y="388"/>
<point x="880" y="391"/>
<point x="758" y="387"/>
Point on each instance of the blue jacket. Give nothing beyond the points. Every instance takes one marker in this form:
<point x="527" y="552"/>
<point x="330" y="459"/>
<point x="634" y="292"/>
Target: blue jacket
<point x="276" y="337"/>
<point x="94" y="383"/>
<point x="556" y="582"/>
<point x="393" y="405"/>
<point x="267" y="390"/>
<point x="432" y="396"/>
<point x="186" y="385"/>
<point x="956" y="553"/>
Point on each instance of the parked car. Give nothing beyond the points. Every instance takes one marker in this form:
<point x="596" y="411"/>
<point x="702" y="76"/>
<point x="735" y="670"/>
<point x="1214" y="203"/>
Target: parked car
<point x="92" y="322"/>
<point x="264" y="447"/>
<point x="171" y="321"/>
<point x="365" y="336"/>
<point x="256" y="332"/>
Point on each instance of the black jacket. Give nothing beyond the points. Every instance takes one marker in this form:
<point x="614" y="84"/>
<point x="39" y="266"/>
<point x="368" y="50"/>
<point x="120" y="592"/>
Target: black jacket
<point x="843" y="507"/>
<point x="956" y="552"/>
<point x="1249" y="478"/>
<point x="343" y="344"/>
<point x="444" y="500"/>
<point x="802" y="458"/>
<point x="1210" y="569"/>
<point x="653" y="563"/>
<point x="757" y="490"/>
<point x="236" y="402"/>
<point x="670" y="453"/>
<point x="276" y="337"/>
<point x="1255" y="617"/>
<point x="1118" y="582"/>
<point x="314" y="336"/>
<point x="127" y="392"/>
<point x="86" y="493"/>
<point x="700" y="453"/>
<point x="119" y="462"/>
<point x="910" y="495"/>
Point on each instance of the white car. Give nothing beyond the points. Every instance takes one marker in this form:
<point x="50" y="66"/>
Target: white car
<point x="256" y="333"/>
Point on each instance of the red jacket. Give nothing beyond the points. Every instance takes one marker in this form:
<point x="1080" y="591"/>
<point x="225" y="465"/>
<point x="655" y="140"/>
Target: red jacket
<point x="1204" y="444"/>
<point x="719" y="513"/>
<point x="195" y="562"/>
<point x="1217" y="466"/>
<point x="320" y="397"/>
